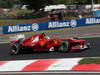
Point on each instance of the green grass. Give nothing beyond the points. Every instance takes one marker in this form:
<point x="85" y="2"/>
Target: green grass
<point x="12" y="22"/>
<point x="21" y="11"/>
<point x="90" y="61"/>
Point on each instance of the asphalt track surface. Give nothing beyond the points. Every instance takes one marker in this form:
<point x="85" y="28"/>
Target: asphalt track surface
<point x="61" y="33"/>
<point x="93" y="52"/>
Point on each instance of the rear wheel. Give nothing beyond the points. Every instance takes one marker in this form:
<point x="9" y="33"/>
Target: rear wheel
<point x="15" y="49"/>
<point x="64" y="46"/>
<point x="56" y="48"/>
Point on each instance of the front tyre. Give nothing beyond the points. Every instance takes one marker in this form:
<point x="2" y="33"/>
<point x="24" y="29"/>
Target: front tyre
<point x="15" y="49"/>
<point x="64" y="46"/>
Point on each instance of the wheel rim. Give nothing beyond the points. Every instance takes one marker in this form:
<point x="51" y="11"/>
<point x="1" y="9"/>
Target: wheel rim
<point x="64" y="47"/>
<point x="14" y="49"/>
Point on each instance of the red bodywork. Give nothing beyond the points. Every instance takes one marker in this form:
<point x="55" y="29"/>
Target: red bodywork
<point x="39" y="43"/>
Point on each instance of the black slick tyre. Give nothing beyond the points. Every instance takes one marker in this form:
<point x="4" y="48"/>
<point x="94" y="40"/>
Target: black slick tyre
<point x="64" y="46"/>
<point x="15" y="49"/>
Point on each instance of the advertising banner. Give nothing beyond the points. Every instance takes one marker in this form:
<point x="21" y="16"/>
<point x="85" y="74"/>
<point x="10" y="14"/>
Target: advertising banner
<point x="50" y="25"/>
<point x="1" y="30"/>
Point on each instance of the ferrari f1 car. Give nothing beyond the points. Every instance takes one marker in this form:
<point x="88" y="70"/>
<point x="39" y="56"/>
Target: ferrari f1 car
<point x="43" y="43"/>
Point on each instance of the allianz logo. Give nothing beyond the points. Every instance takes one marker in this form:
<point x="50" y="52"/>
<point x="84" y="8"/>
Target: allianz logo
<point x="18" y="28"/>
<point x="55" y="24"/>
<point x="92" y="20"/>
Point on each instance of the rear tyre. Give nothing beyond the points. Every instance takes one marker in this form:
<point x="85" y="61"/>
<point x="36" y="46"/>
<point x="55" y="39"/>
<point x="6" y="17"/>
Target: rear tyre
<point x="56" y="48"/>
<point x="15" y="49"/>
<point x="64" y="46"/>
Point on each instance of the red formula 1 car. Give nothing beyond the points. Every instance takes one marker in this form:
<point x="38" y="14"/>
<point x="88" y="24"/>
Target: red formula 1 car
<point x="42" y="43"/>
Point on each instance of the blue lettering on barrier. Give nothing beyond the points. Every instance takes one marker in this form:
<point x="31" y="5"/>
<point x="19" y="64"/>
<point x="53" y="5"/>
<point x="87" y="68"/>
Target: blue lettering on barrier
<point x="50" y="25"/>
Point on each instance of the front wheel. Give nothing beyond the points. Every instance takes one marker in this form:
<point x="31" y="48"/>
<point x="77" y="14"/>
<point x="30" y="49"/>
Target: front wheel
<point x="87" y="46"/>
<point x="15" y="49"/>
<point x="64" y="46"/>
